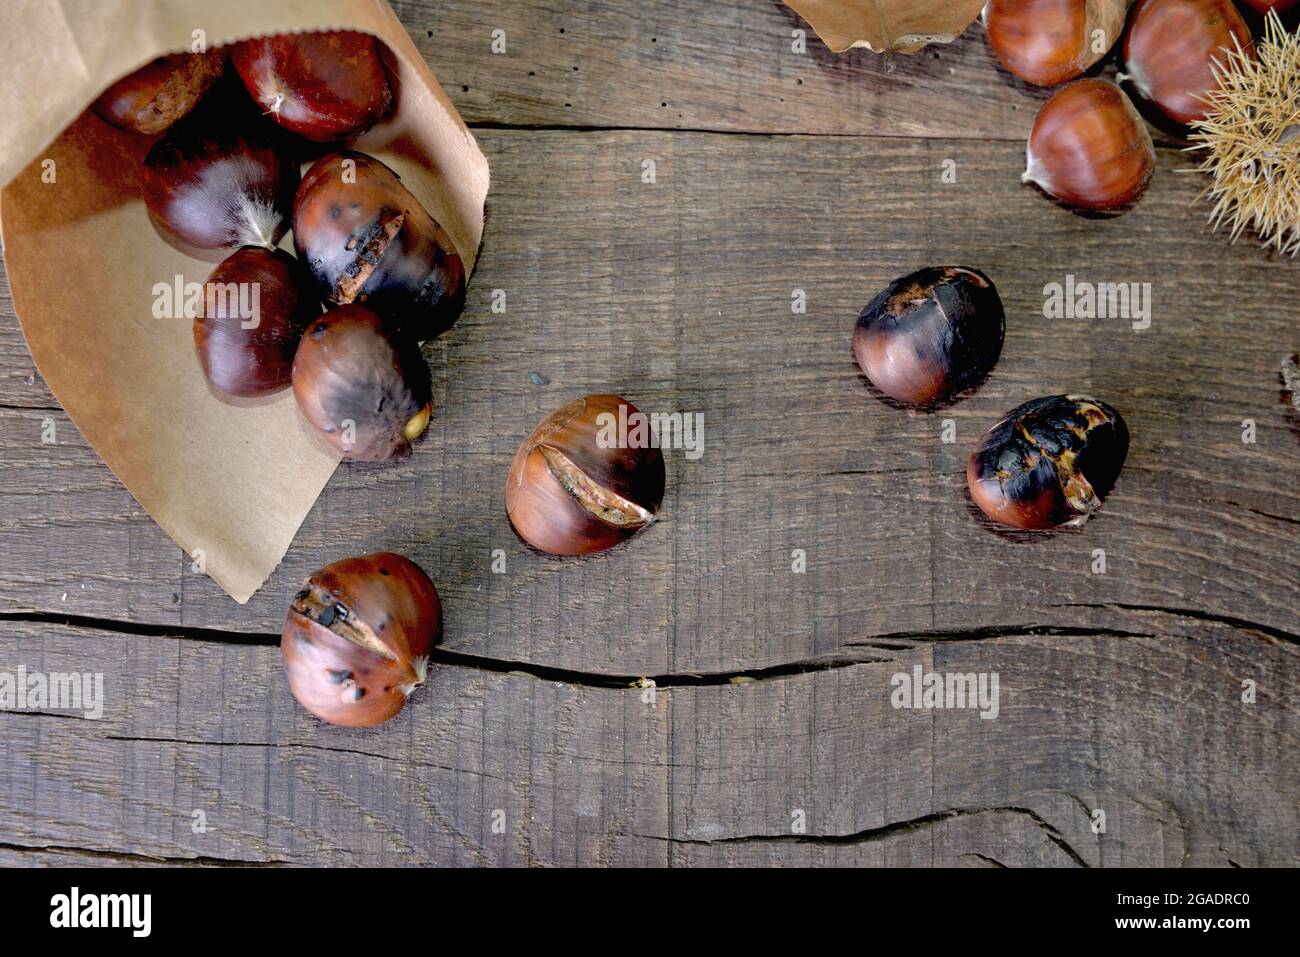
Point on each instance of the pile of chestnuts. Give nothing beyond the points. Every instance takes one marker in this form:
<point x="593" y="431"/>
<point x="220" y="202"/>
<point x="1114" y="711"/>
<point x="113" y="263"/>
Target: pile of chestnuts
<point x="222" y="183"/>
<point x="936" y="333"/>
<point x="1090" y="147"/>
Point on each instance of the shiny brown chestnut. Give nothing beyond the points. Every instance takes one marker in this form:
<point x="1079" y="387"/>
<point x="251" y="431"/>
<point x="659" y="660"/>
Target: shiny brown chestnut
<point x="573" y="490"/>
<point x="931" y="335"/>
<point x="358" y="636"/>
<point x="1047" y="42"/>
<point x="322" y="86"/>
<point x="210" y="187"/>
<point x="158" y="94"/>
<point x="1264" y="6"/>
<point x="1170" y="50"/>
<point x="368" y="240"/>
<point x="364" y="389"/>
<point x="1090" y="148"/>
<point x="1050" y="462"/>
<point x="256" y="305"/>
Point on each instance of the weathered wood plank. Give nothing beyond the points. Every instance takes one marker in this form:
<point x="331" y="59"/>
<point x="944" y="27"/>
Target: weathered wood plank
<point x="721" y="65"/>
<point x="678" y="294"/>
<point x="1151" y="731"/>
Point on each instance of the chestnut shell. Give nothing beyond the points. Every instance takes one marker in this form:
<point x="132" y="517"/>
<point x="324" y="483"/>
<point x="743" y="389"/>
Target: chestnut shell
<point x="1170" y="48"/>
<point x="358" y="636"/>
<point x="1090" y="147"/>
<point x="259" y="360"/>
<point x="568" y="496"/>
<point x="161" y="92"/>
<point x="212" y="185"/>
<point x="1050" y="462"/>
<point x="321" y="86"/>
<point x="931" y="334"/>
<point x="370" y="241"/>
<point x="350" y="366"/>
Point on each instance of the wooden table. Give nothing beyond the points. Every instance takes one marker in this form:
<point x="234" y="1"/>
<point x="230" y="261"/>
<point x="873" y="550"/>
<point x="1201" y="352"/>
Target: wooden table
<point x="1122" y="736"/>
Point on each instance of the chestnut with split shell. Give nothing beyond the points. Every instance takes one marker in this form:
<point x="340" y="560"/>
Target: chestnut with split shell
<point x="256" y="304"/>
<point x="1047" y="42"/>
<point x="1050" y="462"/>
<point x="358" y="636"/>
<point x="158" y="94"/>
<point x="367" y="239"/>
<point x="211" y="187"/>
<point x="322" y="86"/>
<point x="1171" y="48"/>
<point x="568" y="494"/>
<point x="930" y="335"/>
<point x="366" y="391"/>
<point x="1090" y="148"/>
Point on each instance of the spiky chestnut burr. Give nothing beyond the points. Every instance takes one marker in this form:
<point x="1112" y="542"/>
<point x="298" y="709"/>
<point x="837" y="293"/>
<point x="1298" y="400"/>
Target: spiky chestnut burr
<point x="1251" y="138"/>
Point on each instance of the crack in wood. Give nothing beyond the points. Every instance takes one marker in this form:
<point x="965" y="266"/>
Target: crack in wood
<point x="1243" y="624"/>
<point x="135" y="857"/>
<point x="875" y="834"/>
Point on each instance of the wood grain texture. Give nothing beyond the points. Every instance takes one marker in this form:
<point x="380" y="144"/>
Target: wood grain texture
<point x="1150" y="731"/>
<point x="1121" y="691"/>
<point x="720" y="65"/>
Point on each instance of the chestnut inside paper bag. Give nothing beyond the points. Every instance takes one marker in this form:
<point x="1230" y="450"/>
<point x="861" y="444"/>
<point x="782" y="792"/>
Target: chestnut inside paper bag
<point x="231" y="482"/>
<point x="897" y="26"/>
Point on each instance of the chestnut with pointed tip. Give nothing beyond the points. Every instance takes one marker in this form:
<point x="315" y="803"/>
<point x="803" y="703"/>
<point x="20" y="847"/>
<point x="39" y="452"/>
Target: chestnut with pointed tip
<point x="322" y="86"/>
<point x="1170" y="50"/>
<point x="161" y="92"/>
<point x="358" y="636"/>
<point x="572" y="490"/>
<point x="368" y="240"/>
<point x="211" y="187"/>
<point x="256" y="304"/>
<point x="1090" y="148"/>
<point x="1047" y="42"/>
<point x="364" y="389"/>
<point x="931" y="335"/>
<point x="1050" y="462"/>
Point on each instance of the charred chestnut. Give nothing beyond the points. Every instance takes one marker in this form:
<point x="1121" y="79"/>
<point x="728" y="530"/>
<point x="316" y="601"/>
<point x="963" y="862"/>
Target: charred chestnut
<point x="365" y="390"/>
<point x="211" y="188"/>
<point x="368" y="240"/>
<point x="322" y="86"/>
<point x="931" y="335"/>
<point x="1050" y="462"/>
<point x="256" y="304"/>
<point x="161" y="92"/>
<point x="1090" y="148"/>
<point x="358" y="637"/>
<point x="573" y="489"/>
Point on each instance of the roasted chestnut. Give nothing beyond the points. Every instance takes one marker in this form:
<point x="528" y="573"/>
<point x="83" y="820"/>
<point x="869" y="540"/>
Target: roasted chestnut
<point x="1170" y="50"/>
<point x="366" y="239"/>
<point x="358" y="636"/>
<point x="931" y="334"/>
<point x="1047" y="42"/>
<point x="364" y="389"/>
<point x="322" y="86"/>
<point x="582" y="482"/>
<point x="210" y="187"/>
<point x="256" y="304"/>
<point x="1050" y="462"/>
<point x="1090" y="148"/>
<point x="161" y="92"/>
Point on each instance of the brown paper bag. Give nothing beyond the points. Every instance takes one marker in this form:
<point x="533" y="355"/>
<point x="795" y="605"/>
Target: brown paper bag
<point x="230" y="484"/>
<point x="899" y="26"/>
